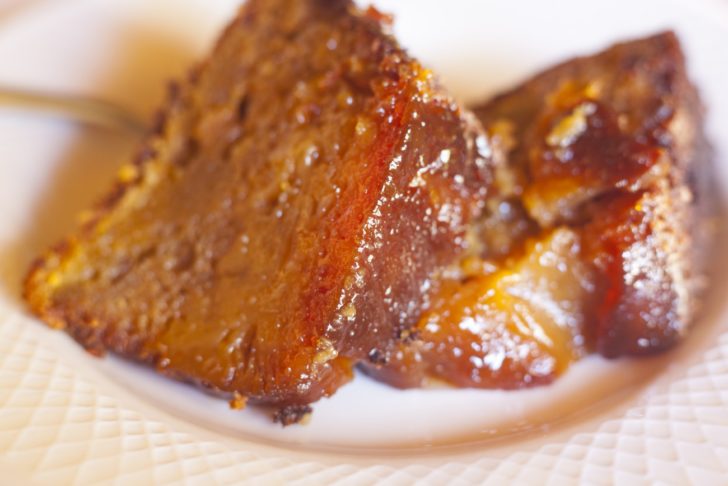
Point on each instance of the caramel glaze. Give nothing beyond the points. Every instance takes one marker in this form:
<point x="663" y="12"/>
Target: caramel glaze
<point x="513" y="325"/>
<point x="301" y="189"/>
<point x="609" y="150"/>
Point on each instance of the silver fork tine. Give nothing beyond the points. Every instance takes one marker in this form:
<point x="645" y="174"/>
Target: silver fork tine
<point x="79" y="108"/>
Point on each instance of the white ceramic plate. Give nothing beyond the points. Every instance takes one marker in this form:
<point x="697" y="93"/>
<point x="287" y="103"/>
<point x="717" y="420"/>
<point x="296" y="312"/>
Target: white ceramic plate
<point x="66" y="417"/>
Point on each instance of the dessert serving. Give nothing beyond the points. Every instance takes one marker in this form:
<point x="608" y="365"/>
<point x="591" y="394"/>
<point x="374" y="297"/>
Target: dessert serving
<point x="594" y="241"/>
<point x="256" y="244"/>
<point x="311" y="199"/>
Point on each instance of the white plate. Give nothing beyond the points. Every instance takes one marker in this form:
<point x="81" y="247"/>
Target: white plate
<point x="66" y="417"/>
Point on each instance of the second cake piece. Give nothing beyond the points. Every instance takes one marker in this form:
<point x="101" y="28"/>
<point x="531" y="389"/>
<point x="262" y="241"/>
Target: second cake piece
<point x="594" y="242"/>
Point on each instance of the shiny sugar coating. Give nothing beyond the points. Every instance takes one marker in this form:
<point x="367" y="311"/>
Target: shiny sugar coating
<point x="515" y="327"/>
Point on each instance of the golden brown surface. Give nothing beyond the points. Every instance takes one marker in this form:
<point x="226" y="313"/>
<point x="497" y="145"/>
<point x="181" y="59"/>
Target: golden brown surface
<point x="640" y="249"/>
<point x="610" y="150"/>
<point x="517" y="326"/>
<point x="256" y="245"/>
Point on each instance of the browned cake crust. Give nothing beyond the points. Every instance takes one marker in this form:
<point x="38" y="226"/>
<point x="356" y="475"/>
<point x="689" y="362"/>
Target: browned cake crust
<point x="607" y="149"/>
<point x="280" y="224"/>
<point x="589" y="132"/>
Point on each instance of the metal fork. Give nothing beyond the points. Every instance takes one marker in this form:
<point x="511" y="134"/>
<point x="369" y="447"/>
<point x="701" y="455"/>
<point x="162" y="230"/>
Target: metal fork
<point x="78" y="108"/>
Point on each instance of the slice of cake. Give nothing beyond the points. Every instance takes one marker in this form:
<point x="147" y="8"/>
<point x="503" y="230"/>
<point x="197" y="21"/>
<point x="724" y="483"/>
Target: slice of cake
<point x="281" y="223"/>
<point x="623" y="125"/>
<point x="609" y="150"/>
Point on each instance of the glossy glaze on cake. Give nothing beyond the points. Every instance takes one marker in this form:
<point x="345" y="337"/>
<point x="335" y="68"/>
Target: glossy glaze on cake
<point x="608" y="149"/>
<point x="300" y="191"/>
